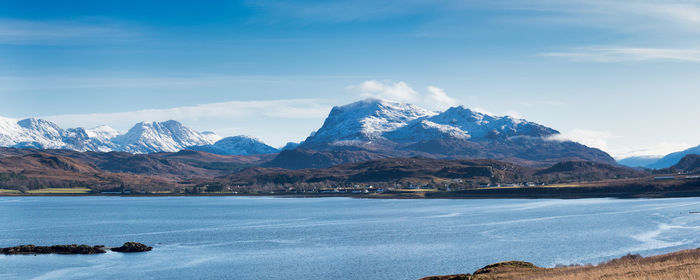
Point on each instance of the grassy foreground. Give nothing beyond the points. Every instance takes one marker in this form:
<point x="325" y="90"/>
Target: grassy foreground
<point x="677" y="265"/>
<point x="60" y="191"/>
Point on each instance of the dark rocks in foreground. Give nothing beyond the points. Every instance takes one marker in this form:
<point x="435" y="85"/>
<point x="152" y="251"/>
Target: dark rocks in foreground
<point x="132" y="247"/>
<point x="73" y="249"/>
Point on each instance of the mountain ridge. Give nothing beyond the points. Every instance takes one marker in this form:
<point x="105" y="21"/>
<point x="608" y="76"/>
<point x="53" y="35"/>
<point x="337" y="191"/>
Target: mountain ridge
<point x="364" y="130"/>
<point x="374" y="128"/>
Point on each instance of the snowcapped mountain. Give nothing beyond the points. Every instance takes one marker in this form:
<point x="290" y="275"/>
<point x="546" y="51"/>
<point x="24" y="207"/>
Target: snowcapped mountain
<point x="102" y="132"/>
<point x="237" y="145"/>
<point x="43" y="134"/>
<point x="366" y="129"/>
<point x="481" y="126"/>
<point x="372" y="120"/>
<point x="364" y="121"/>
<point x="169" y="136"/>
<point x="377" y="128"/>
<point x="424" y="129"/>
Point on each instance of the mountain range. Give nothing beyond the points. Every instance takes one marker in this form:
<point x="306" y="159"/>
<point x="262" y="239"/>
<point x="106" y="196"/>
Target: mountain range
<point x="659" y="162"/>
<point x="142" y="138"/>
<point x="374" y="129"/>
<point x="364" y="130"/>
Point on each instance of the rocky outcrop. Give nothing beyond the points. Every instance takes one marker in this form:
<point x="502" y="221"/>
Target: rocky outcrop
<point x="72" y="249"/>
<point x="492" y="271"/>
<point x="132" y="247"/>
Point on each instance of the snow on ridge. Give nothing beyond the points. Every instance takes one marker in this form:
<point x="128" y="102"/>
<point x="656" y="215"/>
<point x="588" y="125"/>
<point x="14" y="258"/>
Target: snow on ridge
<point x="365" y="120"/>
<point x="237" y="145"/>
<point x="362" y="122"/>
<point x="144" y="137"/>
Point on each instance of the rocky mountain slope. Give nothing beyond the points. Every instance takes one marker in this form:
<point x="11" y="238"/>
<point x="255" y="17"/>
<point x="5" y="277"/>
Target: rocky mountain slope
<point x="144" y="137"/>
<point x="364" y="130"/>
<point x="372" y="128"/>
<point x="237" y="145"/>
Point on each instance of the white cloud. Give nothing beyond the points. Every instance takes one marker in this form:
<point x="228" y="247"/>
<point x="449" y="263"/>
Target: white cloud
<point x="660" y="149"/>
<point x="514" y="114"/>
<point x="588" y="137"/>
<point x="399" y="92"/>
<point x="628" y="54"/>
<point x="274" y="121"/>
<point x="438" y="98"/>
<point x="434" y="98"/>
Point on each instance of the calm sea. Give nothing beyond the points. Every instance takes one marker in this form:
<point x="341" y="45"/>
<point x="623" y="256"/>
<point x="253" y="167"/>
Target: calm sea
<point x="332" y="238"/>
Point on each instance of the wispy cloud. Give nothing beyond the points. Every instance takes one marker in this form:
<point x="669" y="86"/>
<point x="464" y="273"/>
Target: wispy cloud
<point x="433" y="98"/>
<point x="93" y="30"/>
<point x="660" y="149"/>
<point x="628" y="54"/>
<point x="602" y="139"/>
<point x="589" y="137"/>
<point x="342" y="10"/>
<point x="275" y="121"/>
<point x="438" y="98"/>
<point x="145" y="81"/>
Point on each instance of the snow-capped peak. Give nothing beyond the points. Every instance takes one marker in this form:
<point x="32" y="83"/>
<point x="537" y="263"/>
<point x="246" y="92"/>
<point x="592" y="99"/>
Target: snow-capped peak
<point x="373" y="121"/>
<point x="168" y="136"/>
<point x="104" y="132"/>
<point x="237" y="145"/>
<point x="144" y="137"/>
<point x="481" y="125"/>
<point x="365" y="120"/>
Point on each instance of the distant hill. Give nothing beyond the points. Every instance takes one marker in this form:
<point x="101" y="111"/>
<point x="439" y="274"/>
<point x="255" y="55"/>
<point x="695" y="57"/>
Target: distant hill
<point x="389" y="170"/>
<point x="35" y="168"/>
<point x="673" y="158"/>
<point x="638" y="161"/>
<point x="109" y="169"/>
<point x="689" y="163"/>
<point x="41" y="170"/>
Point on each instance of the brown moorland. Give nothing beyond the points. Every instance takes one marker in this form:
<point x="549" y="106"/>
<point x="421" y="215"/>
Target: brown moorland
<point x="677" y="265"/>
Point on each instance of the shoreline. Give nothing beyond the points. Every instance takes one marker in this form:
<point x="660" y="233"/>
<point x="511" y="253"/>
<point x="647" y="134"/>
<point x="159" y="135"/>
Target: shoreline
<point x="620" y="191"/>
<point x="681" y="264"/>
<point x="414" y="195"/>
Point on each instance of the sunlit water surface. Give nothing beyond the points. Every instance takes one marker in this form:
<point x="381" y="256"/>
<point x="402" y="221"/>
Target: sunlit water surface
<point x="331" y="238"/>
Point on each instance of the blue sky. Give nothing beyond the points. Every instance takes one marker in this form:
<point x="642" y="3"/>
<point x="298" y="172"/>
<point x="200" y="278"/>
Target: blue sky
<point x="618" y="75"/>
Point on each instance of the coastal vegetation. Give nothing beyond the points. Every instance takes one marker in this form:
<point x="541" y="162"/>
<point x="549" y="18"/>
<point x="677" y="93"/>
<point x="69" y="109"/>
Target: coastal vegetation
<point x="59" y="191"/>
<point x="677" y="265"/>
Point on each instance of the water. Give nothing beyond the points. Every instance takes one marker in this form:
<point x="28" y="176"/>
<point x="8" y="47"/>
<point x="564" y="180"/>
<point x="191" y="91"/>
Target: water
<point x="323" y="238"/>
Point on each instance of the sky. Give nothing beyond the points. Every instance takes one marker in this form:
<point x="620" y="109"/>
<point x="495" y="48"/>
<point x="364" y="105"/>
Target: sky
<point x="622" y="76"/>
